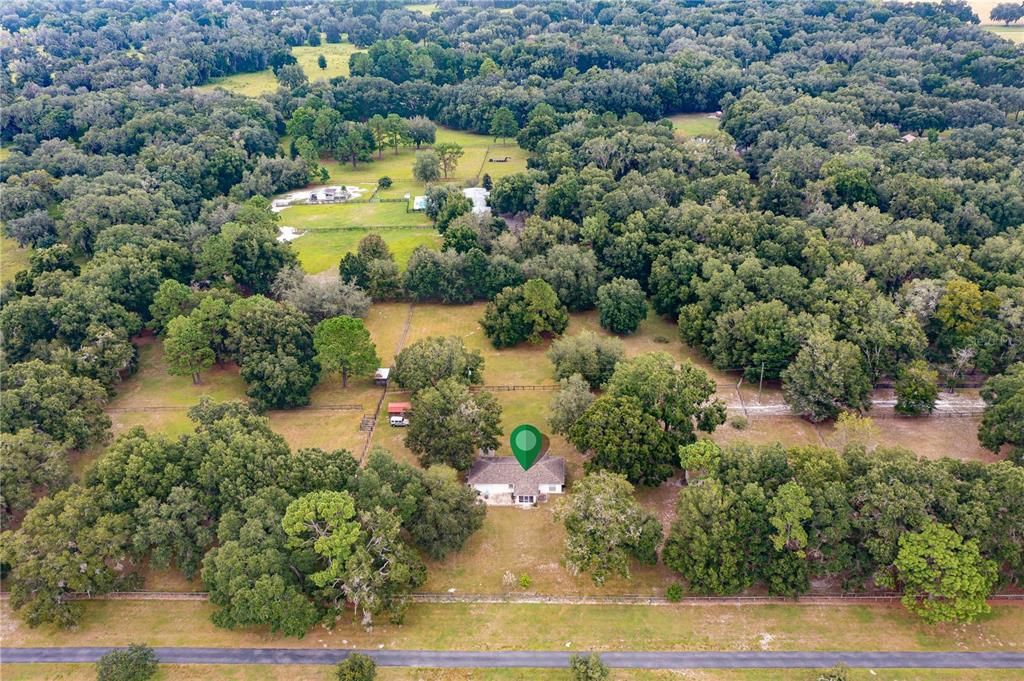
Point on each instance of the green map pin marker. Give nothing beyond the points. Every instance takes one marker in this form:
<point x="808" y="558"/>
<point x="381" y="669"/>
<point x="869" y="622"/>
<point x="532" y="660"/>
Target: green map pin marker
<point x="526" y="444"/>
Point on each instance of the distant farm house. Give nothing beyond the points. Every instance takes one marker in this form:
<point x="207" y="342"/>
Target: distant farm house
<point x="501" y="481"/>
<point x="329" y="195"/>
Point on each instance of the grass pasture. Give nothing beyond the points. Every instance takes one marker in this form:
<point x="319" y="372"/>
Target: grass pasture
<point x="422" y="7"/>
<point x="694" y="125"/>
<point x="320" y="251"/>
<point x="270" y="672"/>
<point x="473" y="164"/>
<point x="364" y="215"/>
<point x="247" y="84"/>
<point x="258" y="83"/>
<point x="13" y="258"/>
<point x="337" y="55"/>
<point x="331" y="231"/>
<point x="510" y="626"/>
<point x="1012" y="33"/>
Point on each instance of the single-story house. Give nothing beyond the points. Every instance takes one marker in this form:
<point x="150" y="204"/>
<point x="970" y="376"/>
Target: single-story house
<point x="478" y="197"/>
<point x="501" y="481"/>
<point x="910" y="137"/>
<point x="419" y="203"/>
<point x="381" y="376"/>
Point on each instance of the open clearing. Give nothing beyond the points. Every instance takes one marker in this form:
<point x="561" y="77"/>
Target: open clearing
<point x="356" y="214"/>
<point x="511" y="540"/>
<point x="337" y="55"/>
<point x="549" y="627"/>
<point x="13" y="258"/>
<point x="1014" y="33"/>
<point x="258" y="83"/>
<point x="423" y="8"/>
<point x="694" y="124"/>
<point x="475" y="161"/>
<point x="322" y="251"/>
<point x="159" y="402"/>
<point x="247" y="84"/>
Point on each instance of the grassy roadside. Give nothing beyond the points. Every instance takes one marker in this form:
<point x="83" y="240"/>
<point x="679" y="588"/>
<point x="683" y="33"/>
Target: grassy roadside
<point x="548" y="627"/>
<point x="84" y="672"/>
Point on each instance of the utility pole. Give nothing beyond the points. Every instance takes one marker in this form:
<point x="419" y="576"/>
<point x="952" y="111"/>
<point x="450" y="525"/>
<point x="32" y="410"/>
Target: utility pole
<point x="760" y="384"/>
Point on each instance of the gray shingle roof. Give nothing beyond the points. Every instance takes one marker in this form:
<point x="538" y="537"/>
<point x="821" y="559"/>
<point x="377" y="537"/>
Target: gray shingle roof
<point x="504" y="470"/>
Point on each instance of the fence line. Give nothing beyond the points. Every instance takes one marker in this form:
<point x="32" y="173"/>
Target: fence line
<point x="173" y="408"/>
<point x="509" y="388"/>
<point x="534" y="598"/>
<point x="363" y="228"/>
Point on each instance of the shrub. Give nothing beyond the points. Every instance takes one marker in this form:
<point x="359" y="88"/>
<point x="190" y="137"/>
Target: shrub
<point x="134" y="663"/>
<point x="674" y="592"/>
<point x="357" y="667"/>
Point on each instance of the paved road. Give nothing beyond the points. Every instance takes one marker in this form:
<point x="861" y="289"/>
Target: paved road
<point x="462" y="659"/>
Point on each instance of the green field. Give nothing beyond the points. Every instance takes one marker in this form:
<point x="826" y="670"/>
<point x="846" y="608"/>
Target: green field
<point x="352" y="215"/>
<point x="694" y="125"/>
<point x="510" y="626"/>
<point x="337" y="55"/>
<point x="247" y="84"/>
<point x="272" y="672"/>
<point x="13" y="258"/>
<point x="262" y="82"/>
<point x="1014" y="33"/>
<point x="423" y="8"/>
<point x="321" y="251"/>
<point x="478" y="150"/>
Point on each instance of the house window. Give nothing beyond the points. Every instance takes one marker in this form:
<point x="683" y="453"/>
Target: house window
<point x="525" y="498"/>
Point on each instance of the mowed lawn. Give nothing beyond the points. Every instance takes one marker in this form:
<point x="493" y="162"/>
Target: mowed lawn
<point x="13" y="258"/>
<point x="362" y="214"/>
<point x="694" y="125"/>
<point x="510" y="626"/>
<point x="322" y="251"/>
<point x="276" y="672"/>
<point x="331" y="231"/>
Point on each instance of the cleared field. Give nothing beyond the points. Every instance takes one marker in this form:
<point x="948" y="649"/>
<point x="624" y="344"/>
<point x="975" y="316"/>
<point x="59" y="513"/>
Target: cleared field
<point x="524" y="364"/>
<point x="261" y="82"/>
<point x="247" y="84"/>
<point x="13" y="258"/>
<point x="693" y="124"/>
<point x="510" y="626"/>
<point x="423" y="8"/>
<point x="337" y="55"/>
<point x="479" y="149"/>
<point x="1014" y="33"/>
<point x="321" y="251"/>
<point x="364" y="214"/>
<point x="529" y="542"/>
<point x="159" y="402"/>
<point x="82" y="672"/>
